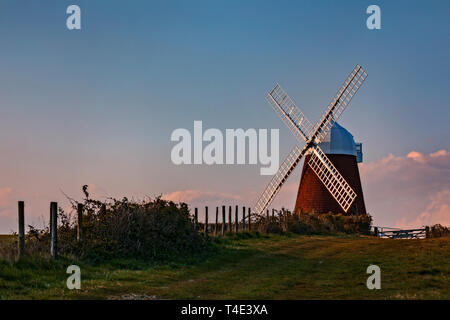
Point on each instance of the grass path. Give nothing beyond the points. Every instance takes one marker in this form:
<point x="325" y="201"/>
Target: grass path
<point x="275" y="267"/>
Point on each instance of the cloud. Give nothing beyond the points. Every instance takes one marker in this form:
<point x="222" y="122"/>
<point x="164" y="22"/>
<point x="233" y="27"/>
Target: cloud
<point x="437" y="211"/>
<point x="198" y="197"/>
<point x="212" y="199"/>
<point x="408" y="191"/>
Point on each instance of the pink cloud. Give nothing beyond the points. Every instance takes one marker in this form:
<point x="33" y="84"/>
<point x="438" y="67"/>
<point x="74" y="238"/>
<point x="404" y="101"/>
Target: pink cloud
<point x="437" y="211"/>
<point x="213" y="199"/>
<point x="408" y="191"/>
<point x="198" y="197"/>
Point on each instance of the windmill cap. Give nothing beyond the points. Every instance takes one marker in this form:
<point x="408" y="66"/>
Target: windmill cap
<point x="338" y="141"/>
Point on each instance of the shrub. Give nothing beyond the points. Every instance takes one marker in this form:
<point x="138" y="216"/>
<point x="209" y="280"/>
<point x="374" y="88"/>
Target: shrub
<point x="152" y="229"/>
<point x="312" y="223"/>
<point x="437" y="231"/>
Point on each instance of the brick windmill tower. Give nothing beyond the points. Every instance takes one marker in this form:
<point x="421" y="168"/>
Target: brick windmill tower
<point x="330" y="178"/>
<point x="345" y="154"/>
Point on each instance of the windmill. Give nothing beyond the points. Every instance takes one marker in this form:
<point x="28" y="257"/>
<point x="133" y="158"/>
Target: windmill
<point x="312" y="135"/>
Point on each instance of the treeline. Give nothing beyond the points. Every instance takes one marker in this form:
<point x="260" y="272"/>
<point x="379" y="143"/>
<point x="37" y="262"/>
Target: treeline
<point x="437" y="231"/>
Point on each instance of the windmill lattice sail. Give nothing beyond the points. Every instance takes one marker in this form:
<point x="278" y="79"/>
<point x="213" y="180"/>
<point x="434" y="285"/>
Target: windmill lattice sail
<point x="331" y="178"/>
<point x="339" y="102"/>
<point x="292" y="116"/>
<point x="272" y="188"/>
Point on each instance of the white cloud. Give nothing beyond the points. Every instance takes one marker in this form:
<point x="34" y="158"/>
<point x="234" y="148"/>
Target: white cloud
<point x="408" y="191"/>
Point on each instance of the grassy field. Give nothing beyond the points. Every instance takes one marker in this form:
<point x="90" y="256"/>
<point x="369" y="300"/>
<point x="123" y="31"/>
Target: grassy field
<point x="260" y="267"/>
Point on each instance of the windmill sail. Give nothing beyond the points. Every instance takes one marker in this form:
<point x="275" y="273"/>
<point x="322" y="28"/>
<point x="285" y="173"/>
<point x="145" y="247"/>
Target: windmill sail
<point x="339" y="102"/>
<point x="272" y="188"/>
<point x="296" y="121"/>
<point x="331" y="178"/>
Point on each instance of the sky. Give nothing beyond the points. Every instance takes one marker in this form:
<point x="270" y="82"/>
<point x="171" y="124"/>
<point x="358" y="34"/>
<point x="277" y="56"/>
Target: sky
<point x="97" y="106"/>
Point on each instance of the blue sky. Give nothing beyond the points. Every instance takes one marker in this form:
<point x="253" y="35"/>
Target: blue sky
<point x="98" y="105"/>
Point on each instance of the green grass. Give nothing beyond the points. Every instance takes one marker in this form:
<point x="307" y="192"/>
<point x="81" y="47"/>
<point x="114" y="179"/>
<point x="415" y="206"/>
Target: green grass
<point x="264" y="267"/>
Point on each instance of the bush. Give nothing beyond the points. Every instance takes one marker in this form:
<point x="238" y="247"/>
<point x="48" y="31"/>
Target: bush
<point x="437" y="231"/>
<point x="329" y="223"/>
<point x="269" y="225"/>
<point x="153" y="229"/>
<point x="8" y="247"/>
<point x="312" y="223"/>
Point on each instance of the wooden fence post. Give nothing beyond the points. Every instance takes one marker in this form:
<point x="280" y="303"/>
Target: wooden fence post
<point x="273" y="213"/>
<point x="53" y="229"/>
<point x="267" y="214"/>
<point x="80" y="222"/>
<point x="280" y="218"/>
<point x="249" y="219"/>
<point x="196" y="219"/>
<point x="243" y="219"/>
<point x="206" y="220"/>
<point x="223" y="220"/>
<point x="286" y="216"/>
<point x="217" y="221"/>
<point x="375" y="230"/>
<point x="21" y="247"/>
<point x="229" y="219"/>
<point x="236" y="220"/>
